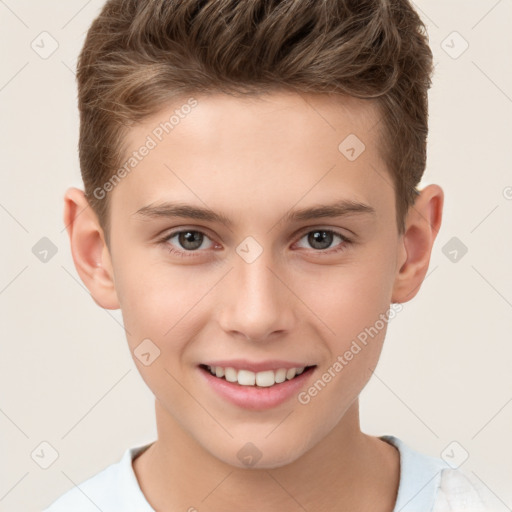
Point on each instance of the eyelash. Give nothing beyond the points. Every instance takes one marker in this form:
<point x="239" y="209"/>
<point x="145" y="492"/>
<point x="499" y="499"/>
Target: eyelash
<point x="186" y="254"/>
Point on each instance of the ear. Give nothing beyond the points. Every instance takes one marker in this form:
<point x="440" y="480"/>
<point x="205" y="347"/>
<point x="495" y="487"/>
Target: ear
<point x="422" y="224"/>
<point x="89" y="250"/>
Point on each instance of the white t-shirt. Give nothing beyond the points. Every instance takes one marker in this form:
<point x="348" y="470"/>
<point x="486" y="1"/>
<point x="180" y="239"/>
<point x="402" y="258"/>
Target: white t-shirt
<point x="427" y="484"/>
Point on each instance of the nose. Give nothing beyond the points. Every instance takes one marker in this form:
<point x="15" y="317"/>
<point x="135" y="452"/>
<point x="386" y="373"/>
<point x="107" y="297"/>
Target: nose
<point x="256" y="302"/>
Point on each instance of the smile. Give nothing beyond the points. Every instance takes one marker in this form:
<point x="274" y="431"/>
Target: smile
<point x="265" y="378"/>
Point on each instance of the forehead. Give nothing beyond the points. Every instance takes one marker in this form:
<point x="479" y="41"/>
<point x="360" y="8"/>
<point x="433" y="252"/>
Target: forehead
<point x="254" y="150"/>
<point x="207" y="115"/>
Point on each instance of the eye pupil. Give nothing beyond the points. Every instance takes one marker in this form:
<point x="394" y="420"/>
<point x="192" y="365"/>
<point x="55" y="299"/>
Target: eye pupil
<point x="325" y="239"/>
<point x="190" y="237"/>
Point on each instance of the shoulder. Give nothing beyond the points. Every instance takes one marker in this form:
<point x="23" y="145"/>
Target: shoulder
<point x="91" y="495"/>
<point x="461" y="491"/>
<point x="429" y="484"/>
<point x="112" y="489"/>
<point x="87" y="496"/>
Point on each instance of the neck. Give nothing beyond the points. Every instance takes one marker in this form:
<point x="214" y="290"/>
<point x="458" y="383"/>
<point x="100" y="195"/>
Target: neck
<point x="346" y="470"/>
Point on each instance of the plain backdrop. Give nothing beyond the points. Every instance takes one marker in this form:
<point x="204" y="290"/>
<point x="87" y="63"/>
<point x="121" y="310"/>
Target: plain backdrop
<point x="67" y="379"/>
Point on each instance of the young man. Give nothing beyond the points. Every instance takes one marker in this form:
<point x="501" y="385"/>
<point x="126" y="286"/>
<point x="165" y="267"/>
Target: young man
<point x="250" y="172"/>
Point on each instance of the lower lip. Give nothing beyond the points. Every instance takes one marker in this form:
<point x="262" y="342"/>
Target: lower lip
<point x="254" y="397"/>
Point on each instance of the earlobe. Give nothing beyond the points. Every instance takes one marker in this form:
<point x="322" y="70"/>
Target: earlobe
<point x="421" y="227"/>
<point x="88" y="248"/>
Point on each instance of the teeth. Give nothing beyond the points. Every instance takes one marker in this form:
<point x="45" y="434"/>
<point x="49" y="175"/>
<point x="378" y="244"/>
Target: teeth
<point x="280" y="376"/>
<point x="246" y="378"/>
<point x="291" y="373"/>
<point x="230" y="374"/>
<point x="263" y="379"/>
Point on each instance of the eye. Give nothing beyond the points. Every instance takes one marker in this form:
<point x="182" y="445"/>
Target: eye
<point x="189" y="239"/>
<point x="322" y="239"/>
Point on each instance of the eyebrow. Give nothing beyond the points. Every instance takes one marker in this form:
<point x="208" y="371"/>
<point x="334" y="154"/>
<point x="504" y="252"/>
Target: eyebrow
<point x="170" y="209"/>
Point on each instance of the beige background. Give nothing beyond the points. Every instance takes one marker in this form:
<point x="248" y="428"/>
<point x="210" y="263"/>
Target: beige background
<point x="66" y="375"/>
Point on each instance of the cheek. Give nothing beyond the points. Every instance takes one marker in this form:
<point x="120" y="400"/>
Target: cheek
<point x="158" y="301"/>
<point x="158" y="305"/>
<point x="349" y="299"/>
<point x="353" y="306"/>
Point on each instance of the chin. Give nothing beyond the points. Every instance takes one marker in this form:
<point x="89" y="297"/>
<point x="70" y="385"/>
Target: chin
<point x="260" y="455"/>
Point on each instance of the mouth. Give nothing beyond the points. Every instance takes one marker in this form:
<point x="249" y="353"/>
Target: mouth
<point x="262" y="379"/>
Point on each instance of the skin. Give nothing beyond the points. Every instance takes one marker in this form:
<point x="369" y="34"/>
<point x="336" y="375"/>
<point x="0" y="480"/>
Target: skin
<point x="254" y="160"/>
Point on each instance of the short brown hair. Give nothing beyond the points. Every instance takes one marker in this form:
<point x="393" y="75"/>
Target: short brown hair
<point x="141" y="54"/>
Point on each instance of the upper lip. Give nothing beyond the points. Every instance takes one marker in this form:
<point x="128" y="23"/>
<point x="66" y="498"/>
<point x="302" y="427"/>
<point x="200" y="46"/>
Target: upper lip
<point x="253" y="366"/>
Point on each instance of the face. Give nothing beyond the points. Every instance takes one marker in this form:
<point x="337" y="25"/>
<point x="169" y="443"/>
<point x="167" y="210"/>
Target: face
<point x="270" y="281"/>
